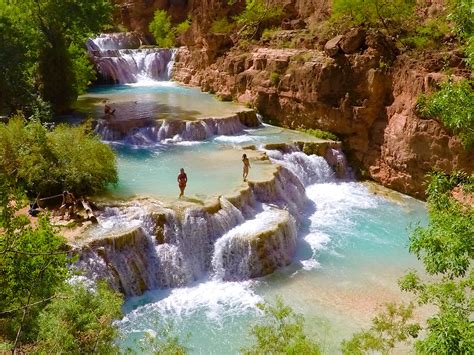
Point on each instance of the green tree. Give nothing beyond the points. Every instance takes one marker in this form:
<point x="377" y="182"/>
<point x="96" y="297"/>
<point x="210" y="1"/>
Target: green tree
<point x="162" y="29"/>
<point x="446" y="249"/>
<point x="257" y="15"/>
<point x="32" y="264"/>
<point x="280" y="332"/>
<point x="80" y="321"/>
<point x="48" y="162"/>
<point x="14" y="66"/>
<point x="52" y="34"/>
<point x="388" y="329"/>
<point x="391" y="15"/>
<point x="453" y="104"/>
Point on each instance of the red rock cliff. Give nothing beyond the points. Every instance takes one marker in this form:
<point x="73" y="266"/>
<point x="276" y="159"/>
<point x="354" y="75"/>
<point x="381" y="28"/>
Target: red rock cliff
<point x="358" y="87"/>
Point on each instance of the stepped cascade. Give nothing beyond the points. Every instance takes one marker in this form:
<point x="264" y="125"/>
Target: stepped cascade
<point x="205" y="255"/>
<point x="146" y="246"/>
<point x="119" y="61"/>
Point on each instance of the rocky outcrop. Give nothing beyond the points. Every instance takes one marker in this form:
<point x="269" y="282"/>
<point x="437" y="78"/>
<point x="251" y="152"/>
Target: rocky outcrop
<point x="356" y="85"/>
<point x="367" y="98"/>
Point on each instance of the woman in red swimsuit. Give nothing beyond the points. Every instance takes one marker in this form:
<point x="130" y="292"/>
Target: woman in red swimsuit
<point x="182" y="180"/>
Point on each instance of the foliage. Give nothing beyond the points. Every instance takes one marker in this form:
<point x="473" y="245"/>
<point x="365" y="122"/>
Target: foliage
<point x="445" y="247"/>
<point x="183" y="26"/>
<point x="47" y="41"/>
<point x="319" y="133"/>
<point x="14" y="65"/>
<point x="274" y="78"/>
<point x="453" y="104"/>
<point x="162" y="29"/>
<point x="388" y="329"/>
<point x="222" y="26"/>
<point x="47" y="163"/>
<point x="280" y="332"/>
<point x="257" y="15"/>
<point x="461" y="15"/>
<point x="391" y="15"/>
<point x="32" y="265"/>
<point x="427" y="35"/>
<point x="80" y="321"/>
<point x="470" y="52"/>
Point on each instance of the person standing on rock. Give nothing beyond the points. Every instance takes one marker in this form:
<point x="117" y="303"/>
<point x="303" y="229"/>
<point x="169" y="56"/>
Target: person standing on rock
<point x="246" y="162"/>
<point x="182" y="181"/>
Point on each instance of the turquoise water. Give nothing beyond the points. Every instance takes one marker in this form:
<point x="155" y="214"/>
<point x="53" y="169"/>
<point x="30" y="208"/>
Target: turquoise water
<point x="352" y="244"/>
<point x="213" y="167"/>
<point x="161" y="100"/>
<point x="351" y="251"/>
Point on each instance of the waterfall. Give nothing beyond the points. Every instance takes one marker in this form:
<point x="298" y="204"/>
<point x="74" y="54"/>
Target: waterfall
<point x="157" y="131"/>
<point x="256" y="247"/>
<point x="119" y="60"/>
<point x="146" y="246"/>
<point x="309" y="169"/>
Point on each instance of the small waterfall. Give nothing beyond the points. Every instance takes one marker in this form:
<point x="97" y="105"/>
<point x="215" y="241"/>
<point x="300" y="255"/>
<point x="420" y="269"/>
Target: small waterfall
<point x="146" y="246"/>
<point x="156" y="131"/>
<point x="256" y="247"/>
<point x="309" y="169"/>
<point x="119" y="60"/>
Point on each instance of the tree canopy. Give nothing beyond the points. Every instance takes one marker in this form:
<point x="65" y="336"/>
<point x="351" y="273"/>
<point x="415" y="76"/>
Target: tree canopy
<point x="43" y="51"/>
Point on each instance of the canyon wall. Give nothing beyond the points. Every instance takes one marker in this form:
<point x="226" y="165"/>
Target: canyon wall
<point x="357" y="85"/>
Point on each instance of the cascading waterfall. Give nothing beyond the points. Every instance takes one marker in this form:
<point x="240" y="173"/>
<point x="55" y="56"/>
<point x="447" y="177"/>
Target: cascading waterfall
<point x="119" y="60"/>
<point x="241" y="238"/>
<point x="157" y="131"/>
<point x="308" y="168"/>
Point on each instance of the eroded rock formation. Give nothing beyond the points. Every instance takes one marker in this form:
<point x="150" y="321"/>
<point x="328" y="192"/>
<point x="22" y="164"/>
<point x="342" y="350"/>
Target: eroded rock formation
<point x="356" y="85"/>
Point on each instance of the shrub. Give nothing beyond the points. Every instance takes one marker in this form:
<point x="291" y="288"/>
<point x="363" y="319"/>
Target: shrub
<point x="391" y="15"/>
<point x="183" y="26"/>
<point x="222" y="26"/>
<point x="428" y="35"/>
<point x="257" y="15"/>
<point x="162" y="29"/>
<point x="319" y="133"/>
<point x="80" y="321"/>
<point x="274" y="78"/>
<point x="46" y="162"/>
<point x="453" y="104"/>
<point x="280" y="332"/>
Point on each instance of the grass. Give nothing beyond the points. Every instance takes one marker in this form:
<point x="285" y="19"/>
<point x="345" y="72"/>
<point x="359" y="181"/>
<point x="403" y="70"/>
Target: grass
<point x="318" y="133"/>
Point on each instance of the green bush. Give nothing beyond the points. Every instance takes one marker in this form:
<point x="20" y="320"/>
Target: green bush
<point x="453" y="104"/>
<point x="274" y="78"/>
<point x="183" y="26"/>
<point x="47" y="163"/>
<point x="428" y="35"/>
<point x="257" y="15"/>
<point x="281" y="331"/>
<point x="319" y="133"/>
<point x="391" y="15"/>
<point x="162" y="29"/>
<point x="222" y="26"/>
<point x="80" y="321"/>
<point x="33" y="262"/>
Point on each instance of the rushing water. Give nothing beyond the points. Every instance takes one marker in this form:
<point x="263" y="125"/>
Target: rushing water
<point x="350" y="250"/>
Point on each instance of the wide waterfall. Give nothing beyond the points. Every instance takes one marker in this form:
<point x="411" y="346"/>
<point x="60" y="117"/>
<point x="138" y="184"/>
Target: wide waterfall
<point x="145" y="246"/>
<point x="119" y="60"/>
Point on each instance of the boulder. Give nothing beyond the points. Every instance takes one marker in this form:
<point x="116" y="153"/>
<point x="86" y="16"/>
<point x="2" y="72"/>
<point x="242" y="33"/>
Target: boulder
<point x="353" y="40"/>
<point x="332" y="46"/>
